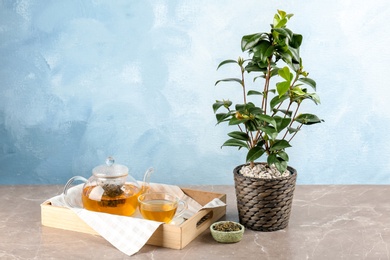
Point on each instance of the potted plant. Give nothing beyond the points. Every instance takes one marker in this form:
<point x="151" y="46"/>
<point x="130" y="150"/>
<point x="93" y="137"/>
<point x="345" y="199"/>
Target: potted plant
<point x="267" y="118"/>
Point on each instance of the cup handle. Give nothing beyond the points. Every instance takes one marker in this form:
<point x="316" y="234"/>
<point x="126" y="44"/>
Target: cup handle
<point x="181" y="207"/>
<point x="65" y="195"/>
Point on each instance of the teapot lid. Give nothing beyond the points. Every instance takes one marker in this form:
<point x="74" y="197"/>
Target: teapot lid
<point x="110" y="169"/>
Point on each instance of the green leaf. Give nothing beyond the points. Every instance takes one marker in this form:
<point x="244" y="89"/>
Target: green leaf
<point x="292" y="130"/>
<point x="295" y="54"/>
<point x="239" y="135"/>
<point x="271" y="159"/>
<point x="286" y="56"/>
<point x="261" y="76"/>
<point x="254" y="67"/>
<point x="308" y="119"/>
<point x="295" y="66"/>
<point x="235" y="121"/>
<point x="230" y="80"/>
<point x="281" y="165"/>
<point x="280" y="145"/>
<point x="254" y="153"/>
<point x="296" y="41"/>
<point x="269" y="51"/>
<point x="255" y="110"/>
<point x="236" y="143"/>
<point x="267" y="119"/>
<point x="282" y="13"/>
<point x="218" y="104"/>
<point x="274" y="71"/>
<point x="251" y="125"/>
<point x="282" y="122"/>
<point x="315" y="98"/>
<point x="281" y="23"/>
<point x="244" y="107"/>
<point x="285" y="73"/>
<point x="240" y="107"/>
<point x="222" y="117"/>
<point x="279" y="162"/>
<point x="226" y="62"/>
<point x="284" y="111"/>
<point x="282" y="87"/>
<point x="249" y="41"/>
<point x="254" y="92"/>
<point x="263" y="50"/>
<point x="270" y="131"/>
<point x="283" y="155"/>
<point x="277" y="100"/>
<point x="298" y="91"/>
<point x="227" y="103"/>
<point x="309" y="82"/>
<point x="283" y="31"/>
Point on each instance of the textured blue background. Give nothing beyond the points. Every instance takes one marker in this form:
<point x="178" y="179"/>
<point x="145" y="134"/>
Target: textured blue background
<point x="81" y="80"/>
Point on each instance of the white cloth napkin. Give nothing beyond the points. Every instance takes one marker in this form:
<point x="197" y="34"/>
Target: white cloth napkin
<point x="129" y="234"/>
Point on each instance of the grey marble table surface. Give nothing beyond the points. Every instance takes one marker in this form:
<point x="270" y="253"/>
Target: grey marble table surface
<point x="327" y="222"/>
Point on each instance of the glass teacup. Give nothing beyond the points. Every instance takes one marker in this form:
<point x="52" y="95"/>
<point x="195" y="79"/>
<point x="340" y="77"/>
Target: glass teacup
<point x="161" y="206"/>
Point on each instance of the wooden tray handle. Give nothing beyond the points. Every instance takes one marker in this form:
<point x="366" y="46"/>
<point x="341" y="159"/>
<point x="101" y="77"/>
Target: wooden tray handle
<point x="205" y="218"/>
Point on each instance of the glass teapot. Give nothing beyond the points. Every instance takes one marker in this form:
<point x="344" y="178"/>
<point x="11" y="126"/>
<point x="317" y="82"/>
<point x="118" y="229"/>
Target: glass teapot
<point x="110" y="189"/>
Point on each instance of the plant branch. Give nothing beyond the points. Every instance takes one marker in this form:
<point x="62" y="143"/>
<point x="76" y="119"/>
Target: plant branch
<point x="246" y="130"/>
<point x="293" y="118"/>
<point x="243" y="82"/>
<point x="299" y="128"/>
<point x="266" y="86"/>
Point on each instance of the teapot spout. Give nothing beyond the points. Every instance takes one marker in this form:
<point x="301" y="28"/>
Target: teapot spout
<point x="146" y="184"/>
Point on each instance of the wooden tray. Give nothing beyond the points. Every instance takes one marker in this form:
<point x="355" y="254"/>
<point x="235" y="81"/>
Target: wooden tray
<point x="170" y="236"/>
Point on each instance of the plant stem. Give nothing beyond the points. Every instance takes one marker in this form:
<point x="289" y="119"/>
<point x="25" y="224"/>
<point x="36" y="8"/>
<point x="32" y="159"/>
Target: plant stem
<point x="277" y="108"/>
<point x="292" y="119"/>
<point x="264" y="101"/>
<point x="249" y="143"/>
<point x="252" y="164"/>
<point x="266" y="86"/>
<point x="243" y="82"/>
<point x="299" y="127"/>
<point x="287" y="110"/>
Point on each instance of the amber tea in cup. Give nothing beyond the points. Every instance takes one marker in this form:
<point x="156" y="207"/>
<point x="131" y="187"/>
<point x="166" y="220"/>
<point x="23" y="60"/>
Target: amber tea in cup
<point x="160" y="206"/>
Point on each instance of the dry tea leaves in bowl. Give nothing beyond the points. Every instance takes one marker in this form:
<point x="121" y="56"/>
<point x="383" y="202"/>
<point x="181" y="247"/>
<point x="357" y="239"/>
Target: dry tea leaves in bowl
<point x="227" y="226"/>
<point x="227" y="231"/>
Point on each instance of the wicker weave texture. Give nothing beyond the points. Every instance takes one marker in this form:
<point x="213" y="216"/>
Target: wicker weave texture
<point x="264" y="204"/>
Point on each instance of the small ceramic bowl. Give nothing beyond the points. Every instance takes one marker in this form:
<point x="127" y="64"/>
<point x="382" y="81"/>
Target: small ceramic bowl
<point x="227" y="236"/>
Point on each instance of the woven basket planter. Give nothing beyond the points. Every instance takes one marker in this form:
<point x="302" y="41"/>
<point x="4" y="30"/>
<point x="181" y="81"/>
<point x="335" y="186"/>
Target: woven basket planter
<point x="264" y="204"/>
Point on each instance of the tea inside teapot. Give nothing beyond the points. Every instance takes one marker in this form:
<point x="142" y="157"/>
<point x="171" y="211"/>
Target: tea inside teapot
<point x="111" y="189"/>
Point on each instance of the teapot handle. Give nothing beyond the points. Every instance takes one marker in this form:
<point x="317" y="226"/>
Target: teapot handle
<point x="146" y="183"/>
<point x="69" y="195"/>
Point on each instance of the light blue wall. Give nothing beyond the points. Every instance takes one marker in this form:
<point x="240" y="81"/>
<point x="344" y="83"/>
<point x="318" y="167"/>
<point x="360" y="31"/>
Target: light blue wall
<point x="81" y="80"/>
